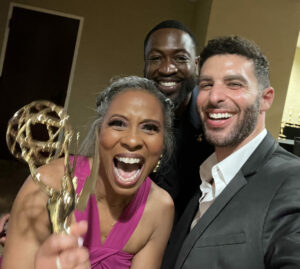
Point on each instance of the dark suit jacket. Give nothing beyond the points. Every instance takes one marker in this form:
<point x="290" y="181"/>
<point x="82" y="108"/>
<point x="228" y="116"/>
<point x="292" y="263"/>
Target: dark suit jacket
<point x="254" y="223"/>
<point x="179" y="176"/>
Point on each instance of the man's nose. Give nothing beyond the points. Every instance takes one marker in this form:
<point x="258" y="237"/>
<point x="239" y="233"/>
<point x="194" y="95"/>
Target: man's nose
<point x="217" y="94"/>
<point x="168" y="67"/>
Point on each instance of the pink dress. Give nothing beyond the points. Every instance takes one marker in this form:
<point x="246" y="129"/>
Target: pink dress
<point x="110" y="254"/>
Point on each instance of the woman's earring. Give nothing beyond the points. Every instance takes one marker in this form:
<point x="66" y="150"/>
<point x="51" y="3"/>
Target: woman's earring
<point x="157" y="165"/>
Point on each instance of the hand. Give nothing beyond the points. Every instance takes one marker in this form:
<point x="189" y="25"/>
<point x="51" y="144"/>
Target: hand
<point x="64" y="248"/>
<point x="3" y="223"/>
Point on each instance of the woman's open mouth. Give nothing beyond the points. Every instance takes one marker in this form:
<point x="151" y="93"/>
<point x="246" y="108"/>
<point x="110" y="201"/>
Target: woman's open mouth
<point x="127" y="169"/>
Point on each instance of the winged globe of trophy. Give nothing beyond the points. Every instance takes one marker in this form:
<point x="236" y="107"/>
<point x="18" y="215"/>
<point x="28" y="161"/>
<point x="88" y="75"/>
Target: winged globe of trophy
<point x="51" y="122"/>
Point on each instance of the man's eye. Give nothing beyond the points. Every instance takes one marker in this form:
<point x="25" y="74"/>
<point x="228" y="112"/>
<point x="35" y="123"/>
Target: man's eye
<point x="117" y="123"/>
<point x="181" y="59"/>
<point x="151" y="128"/>
<point x="205" y="86"/>
<point x="154" y="58"/>
<point x="235" y="84"/>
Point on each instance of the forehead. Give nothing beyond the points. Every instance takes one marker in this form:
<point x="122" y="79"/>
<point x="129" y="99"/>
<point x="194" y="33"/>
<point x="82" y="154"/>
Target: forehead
<point x="136" y="100"/>
<point x="170" y="39"/>
<point x="228" y="64"/>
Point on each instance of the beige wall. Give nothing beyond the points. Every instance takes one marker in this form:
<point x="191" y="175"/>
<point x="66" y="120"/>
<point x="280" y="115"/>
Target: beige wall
<point x="111" y="43"/>
<point x="274" y="25"/>
<point x="200" y="21"/>
<point x="291" y="111"/>
<point x="113" y="33"/>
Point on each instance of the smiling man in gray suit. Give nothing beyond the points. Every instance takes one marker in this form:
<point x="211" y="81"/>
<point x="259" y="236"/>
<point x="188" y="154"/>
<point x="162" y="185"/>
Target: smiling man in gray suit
<point x="248" y="213"/>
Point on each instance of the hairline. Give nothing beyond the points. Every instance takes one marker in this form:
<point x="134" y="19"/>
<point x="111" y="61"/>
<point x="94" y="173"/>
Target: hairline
<point x="261" y="87"/>
<point x="146" y="41"/>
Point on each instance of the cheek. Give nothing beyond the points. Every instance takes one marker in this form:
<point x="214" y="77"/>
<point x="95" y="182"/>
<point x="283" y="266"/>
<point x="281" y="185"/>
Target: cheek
<point x="107" y="139"/>
<point x="150" y="69"/>
<point x="243" y="100"/>
<point x="189" y="69"/>
<point x="202" y="96"/>
<point x="155" y="146"/>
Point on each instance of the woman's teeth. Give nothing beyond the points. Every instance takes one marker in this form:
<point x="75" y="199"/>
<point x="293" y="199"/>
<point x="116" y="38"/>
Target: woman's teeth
<point x="128" y="160"/>
<point x="127" y="169"/>
<point x="127" y="179"/>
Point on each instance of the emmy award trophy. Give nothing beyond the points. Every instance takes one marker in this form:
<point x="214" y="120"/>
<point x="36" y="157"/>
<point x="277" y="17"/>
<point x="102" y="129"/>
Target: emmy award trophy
<point x="57" y="135"/>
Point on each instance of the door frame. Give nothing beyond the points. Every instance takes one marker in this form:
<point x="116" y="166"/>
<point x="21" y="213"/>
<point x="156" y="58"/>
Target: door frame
<point x="53" y="12"/>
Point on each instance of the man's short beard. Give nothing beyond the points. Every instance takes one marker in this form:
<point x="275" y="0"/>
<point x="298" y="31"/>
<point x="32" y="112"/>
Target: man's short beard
<point x="240" y="131"/>
<point x="186" y="88"/>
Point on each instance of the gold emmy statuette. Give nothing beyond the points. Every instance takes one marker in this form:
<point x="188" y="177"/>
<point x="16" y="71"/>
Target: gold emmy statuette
<point x="51" y="124"/>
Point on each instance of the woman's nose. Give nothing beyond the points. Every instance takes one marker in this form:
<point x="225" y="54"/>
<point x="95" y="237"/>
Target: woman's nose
<point x="132" y="140"/>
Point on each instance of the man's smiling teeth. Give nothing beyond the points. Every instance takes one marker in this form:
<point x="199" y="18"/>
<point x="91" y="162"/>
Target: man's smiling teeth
<point x="167" y="83"/>
<point x="128" y="160"/>
<point x="220" y="115"/>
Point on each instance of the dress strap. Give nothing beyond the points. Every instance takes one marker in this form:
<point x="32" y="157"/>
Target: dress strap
<point x="82" y="170"/>
<point x="90" y="214"/>
<point x="130" y="218"/>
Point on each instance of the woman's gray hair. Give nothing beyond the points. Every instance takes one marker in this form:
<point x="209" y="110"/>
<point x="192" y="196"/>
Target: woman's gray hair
<point x="105" y="98"/>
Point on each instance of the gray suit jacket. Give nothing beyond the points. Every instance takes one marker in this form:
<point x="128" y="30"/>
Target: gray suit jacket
<point x="254" y="223"/>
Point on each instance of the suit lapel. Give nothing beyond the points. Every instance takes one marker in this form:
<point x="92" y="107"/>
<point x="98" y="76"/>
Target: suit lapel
<point x="183" y="226"/>
<point x="259" y="156"/>
<point x="235" y="185"/>
<point x="179" y="232"/>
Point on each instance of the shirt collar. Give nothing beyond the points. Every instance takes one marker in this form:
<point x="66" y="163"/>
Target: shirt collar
<point x="206" y="172"/>
<point x="206" y="167"/>
<point x="229" y="167"/>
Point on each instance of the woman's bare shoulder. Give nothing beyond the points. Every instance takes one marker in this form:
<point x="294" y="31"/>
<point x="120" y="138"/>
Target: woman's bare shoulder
<point x="31" y="197"/>
<point x="52" y="173"/>
<point x="160" y="199"/>
<point x="29" y="223"/>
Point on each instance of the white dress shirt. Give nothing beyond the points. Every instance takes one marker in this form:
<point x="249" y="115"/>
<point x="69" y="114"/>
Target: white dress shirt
<point x="216" y="176"/>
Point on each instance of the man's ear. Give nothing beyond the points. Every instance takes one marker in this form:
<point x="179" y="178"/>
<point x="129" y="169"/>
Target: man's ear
<point x="197" y="60"/>
<point x="144" y="70"/>
<point x="267" y="98"/>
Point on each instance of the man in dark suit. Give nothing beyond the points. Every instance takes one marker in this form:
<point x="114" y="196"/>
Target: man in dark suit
<point x="248" y="215"/>
<point x="170" y="53"/>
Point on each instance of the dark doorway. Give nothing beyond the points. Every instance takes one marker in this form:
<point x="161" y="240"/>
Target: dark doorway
<point x="37" y="63"/>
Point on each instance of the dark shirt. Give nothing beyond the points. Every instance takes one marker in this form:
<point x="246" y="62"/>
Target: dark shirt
<point x="180" y="175"/>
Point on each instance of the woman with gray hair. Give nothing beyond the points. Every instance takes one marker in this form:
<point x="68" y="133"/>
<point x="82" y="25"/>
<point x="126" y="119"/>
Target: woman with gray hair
<point x="129" y="218"/>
